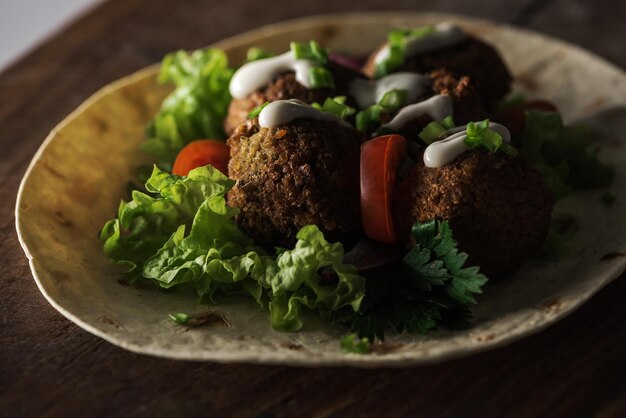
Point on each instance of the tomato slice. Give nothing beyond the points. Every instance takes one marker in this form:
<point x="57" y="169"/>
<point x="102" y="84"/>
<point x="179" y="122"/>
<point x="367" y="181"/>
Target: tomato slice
<point x="200" y="153"/>
<point x="514" y="118"/>
<point x="380" y="158"/>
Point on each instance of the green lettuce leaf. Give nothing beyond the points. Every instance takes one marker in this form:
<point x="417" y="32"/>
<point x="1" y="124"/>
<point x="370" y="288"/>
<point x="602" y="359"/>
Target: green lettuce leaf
<point x="298" y="281"/>
<point x="146" y="222"/>
<point x="197" y="106"/>
<point x="184" y="234"/>
<point x="566" y="156"/>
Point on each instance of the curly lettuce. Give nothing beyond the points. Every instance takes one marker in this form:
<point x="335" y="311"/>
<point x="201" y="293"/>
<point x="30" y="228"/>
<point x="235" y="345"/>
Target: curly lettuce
<point x="297" y="282"/>
<point x="147" y="221"/>
<point x="197" y="106"/>
<point x="183" y="233"/>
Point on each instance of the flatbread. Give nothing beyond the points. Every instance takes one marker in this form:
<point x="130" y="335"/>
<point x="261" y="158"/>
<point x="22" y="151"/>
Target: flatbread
<point x="80" y="173"/>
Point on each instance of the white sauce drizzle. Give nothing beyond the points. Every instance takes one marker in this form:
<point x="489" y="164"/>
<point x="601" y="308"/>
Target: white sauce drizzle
<point x="256" y="74"/>
<point x="446" y="34"/>
<point x="284" y="111"/>
<point x="369" y="92"/>
<point x="437" y="107"/>
<point x="442" y="152"/>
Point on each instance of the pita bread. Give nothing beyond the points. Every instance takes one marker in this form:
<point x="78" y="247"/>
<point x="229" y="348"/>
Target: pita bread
<point x="80" y="173"/>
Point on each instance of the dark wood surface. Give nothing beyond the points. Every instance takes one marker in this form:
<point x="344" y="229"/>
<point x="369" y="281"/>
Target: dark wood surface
<point x="50" y="367"/>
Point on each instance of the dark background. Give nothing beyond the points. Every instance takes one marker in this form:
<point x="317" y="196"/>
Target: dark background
<point x="50" y="367"/>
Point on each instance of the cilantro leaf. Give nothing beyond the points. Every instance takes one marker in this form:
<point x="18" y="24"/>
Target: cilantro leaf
<point x="431" y="288"/>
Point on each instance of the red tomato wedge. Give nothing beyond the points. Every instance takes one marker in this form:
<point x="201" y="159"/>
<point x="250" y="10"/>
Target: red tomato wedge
<point x="380" y="158"/>
<point x="200" y="153"/>
<point x="514" y="118"/>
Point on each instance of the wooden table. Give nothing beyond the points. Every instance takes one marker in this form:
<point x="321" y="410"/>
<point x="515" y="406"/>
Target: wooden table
<point x="50" y="367"/>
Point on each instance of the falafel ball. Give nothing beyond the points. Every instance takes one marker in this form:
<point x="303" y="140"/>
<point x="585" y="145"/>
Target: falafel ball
<point x="472" y="57"/>
<point x="466" y="102"/>
<point x="497" y="206"/>
<point x="286" y="87"/>
<point x="301" y="173"/>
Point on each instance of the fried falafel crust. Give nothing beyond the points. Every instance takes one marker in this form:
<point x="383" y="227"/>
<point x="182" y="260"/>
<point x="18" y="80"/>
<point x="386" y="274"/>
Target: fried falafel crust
<point x="473" y="58"/>
<point x="497" y="206"/>
<point x="286" y="87"/>
<point x="302" y="173"/>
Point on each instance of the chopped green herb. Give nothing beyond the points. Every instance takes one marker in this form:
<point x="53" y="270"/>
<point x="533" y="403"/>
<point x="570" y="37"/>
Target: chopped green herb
<point x="430" y="288"/>
<point x="257" y="111"/>
<point x="391" y="101"/>
<point x="434" y="130"/>
<point x="320" y="77"/>
<point x="396" y="41"/>
<point x="367" y="119"/>
<point x="311" y="51"/>
<point x="394" y="100"/>
<point x="448" y="122"/>
<point x="179" y="318"/>
<point x="351" y="343"/>
<point x="480" y="135"/>
<point x="608" y="198"/>
<point x="255" y="54"/>
<point x="335" y="106"/>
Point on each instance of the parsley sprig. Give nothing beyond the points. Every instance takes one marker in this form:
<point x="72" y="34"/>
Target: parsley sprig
<point x="432" y="288"/>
